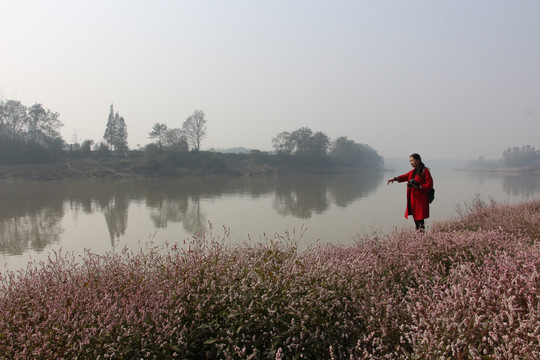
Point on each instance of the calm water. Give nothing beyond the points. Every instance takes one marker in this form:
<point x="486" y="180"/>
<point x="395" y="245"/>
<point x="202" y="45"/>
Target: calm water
<point x="37" y="217"/>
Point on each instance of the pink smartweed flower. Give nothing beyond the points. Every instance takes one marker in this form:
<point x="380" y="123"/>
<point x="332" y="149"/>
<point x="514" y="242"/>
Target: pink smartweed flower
<point x="465" y="289"/>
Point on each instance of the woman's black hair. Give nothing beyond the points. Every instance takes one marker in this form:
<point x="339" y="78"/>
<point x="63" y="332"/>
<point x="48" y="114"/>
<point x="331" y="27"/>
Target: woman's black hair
<point x="420" y="169"/>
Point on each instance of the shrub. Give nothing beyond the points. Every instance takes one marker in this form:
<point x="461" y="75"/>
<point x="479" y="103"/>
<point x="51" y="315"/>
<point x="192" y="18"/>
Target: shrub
<point x="447" y="293"/>
<point x="522" y="219"/>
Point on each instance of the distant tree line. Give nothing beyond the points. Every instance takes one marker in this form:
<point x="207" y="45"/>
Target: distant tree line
<point x="317" y="146"/>
<point x="31" y="135"/>
<point x="526" y="155"/>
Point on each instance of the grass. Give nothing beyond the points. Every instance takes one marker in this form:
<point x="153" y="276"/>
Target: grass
<point x="467" y="289"/>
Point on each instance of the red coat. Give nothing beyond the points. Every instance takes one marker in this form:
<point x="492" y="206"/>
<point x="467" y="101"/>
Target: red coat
<point x="417" y="199"/>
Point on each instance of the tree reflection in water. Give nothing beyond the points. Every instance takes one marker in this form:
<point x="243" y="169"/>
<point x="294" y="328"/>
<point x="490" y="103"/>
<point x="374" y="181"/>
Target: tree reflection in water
<point x="32" y="213"/>
<point x="176" y="200"/>
<point x="521" y="185"/>
<point x="112" y="198"/>
<point x="302" y="197"/>
<point x="29" y="219"/>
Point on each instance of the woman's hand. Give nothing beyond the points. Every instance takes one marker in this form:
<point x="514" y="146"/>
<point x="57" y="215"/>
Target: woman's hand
<point x="391" y="180"/>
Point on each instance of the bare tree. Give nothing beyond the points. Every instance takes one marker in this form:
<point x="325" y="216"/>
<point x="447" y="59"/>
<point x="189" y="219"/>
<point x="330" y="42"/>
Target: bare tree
<point x="195" y="129"/>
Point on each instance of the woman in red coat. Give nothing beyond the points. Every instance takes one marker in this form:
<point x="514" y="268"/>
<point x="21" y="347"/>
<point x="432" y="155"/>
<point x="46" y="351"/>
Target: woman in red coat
<point x="419" y="183"/>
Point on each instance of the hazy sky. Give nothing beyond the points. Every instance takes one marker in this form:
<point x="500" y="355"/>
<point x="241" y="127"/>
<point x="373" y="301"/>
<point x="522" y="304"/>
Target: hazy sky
<point x="447" y="79"/>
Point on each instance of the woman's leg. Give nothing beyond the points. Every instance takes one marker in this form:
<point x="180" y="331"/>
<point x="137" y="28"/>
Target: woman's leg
<point x="420" y="225"/>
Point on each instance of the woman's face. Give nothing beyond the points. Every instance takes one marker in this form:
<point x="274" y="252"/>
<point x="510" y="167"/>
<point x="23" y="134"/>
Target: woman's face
<point x="414" y="162"/>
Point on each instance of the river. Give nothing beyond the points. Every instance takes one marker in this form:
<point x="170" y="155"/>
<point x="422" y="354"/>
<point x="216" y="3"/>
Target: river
<point x="38" y="217"/>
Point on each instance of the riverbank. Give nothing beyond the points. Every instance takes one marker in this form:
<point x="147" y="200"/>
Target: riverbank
<point x="206" y="165"/>
<point x="529" y="169"/>
<point x="467" y="288"/>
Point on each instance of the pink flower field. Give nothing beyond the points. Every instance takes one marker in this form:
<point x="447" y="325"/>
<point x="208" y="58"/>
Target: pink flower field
<point x="468" y="288"/>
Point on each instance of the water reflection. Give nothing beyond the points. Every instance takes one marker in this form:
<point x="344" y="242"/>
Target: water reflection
<point x="514" y="184"/>
<point x="29" y="217"/>
<point x="176" y="201"/>
<point x="521" y="185"/>
<point x="31" y="213"/>
<point x="345" y="192"/>
<point x="110" y="198"/>
<point x="35" y="215"/>
<point x="301" y="199"/>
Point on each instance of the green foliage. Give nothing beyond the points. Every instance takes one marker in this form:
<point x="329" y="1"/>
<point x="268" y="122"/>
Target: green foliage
<point x="176" y="140"/>
<point x="158" y="134"/>
<point x="172" y="140"/>
<point x="86" y="146"/>
<point x="121" y="144"/>
<point x="262" y="156"/>
<point x="302" y="142"/>
<point x="196" y="162"/>
<point x="349" y="153"/>
<point x="116" y="132"/>
<point x="28" y="134"/>
<point x="311" y="148"/>
<point x="254" y="162"/>
<point x="102" y="151"/>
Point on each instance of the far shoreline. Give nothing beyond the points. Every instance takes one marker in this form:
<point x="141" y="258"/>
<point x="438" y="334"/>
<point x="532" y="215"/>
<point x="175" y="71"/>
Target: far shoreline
<point x="529" y="169"/>
<point x="119" y="169"/>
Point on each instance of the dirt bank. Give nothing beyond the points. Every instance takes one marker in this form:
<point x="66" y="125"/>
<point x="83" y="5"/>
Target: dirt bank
<point x="63" y="171"/>
<point x="99" y="170"/>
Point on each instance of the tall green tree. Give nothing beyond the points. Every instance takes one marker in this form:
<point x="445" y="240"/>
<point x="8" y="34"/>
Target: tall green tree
<point x="111" y="129"/>
<point x="194" y="129"/>
<point x="121" y="143"/>
<point x="116" y="132"/>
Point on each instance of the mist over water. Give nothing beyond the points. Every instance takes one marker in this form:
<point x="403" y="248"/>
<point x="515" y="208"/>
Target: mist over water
<point x="37" y="217"/>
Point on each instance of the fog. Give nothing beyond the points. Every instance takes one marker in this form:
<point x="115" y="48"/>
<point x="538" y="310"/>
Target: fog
<point x="453" y="79"/>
